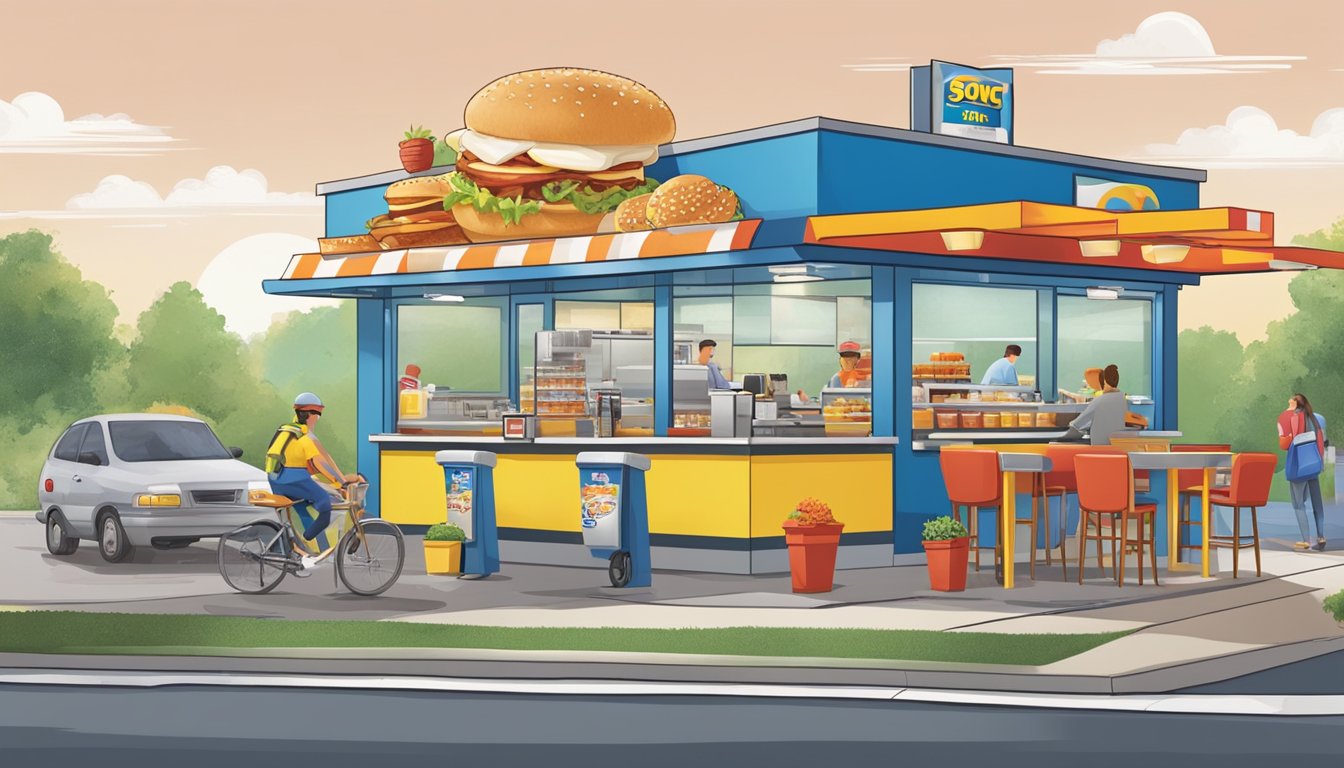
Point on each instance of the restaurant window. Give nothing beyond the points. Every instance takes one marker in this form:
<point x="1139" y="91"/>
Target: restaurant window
<point x="620" y="357"/>
<point x="976" y="322"/>
<point x="696" y="319"/>
<point x="459" y="348"/>
<point x="531" y="318"/>
<point x="1095" y="334"/>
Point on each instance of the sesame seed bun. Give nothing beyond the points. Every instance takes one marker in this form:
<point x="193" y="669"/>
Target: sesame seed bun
<point x="418" y="188"/>
<point x="632" y="214"/>
<point x="553" y="220"/>
<point x="571" y="106"/>
<point x="690" y="199"/>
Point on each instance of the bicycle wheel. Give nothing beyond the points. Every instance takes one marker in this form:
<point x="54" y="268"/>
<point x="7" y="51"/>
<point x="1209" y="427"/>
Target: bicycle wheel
<point x="251" y="557"/>
<point x="368" y="565"/>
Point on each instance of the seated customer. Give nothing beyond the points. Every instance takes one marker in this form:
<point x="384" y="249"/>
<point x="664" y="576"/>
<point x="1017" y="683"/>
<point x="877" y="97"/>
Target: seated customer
<point x="1105" y="414"/>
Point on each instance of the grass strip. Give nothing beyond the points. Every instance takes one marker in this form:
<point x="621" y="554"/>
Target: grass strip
<point x="113" y="633"/>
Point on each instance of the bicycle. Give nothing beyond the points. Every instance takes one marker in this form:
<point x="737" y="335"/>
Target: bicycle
<point x="254" y="558"/>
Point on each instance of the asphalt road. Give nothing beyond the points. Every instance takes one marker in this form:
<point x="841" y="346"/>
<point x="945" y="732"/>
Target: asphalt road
<point x="208" y="726"/>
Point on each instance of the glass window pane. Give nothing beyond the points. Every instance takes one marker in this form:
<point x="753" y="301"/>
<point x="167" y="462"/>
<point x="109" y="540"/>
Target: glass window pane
<point x="458" y="346"/>
<point x="802" y="320"/>
<point x="1095" y="334"/>
<point x="694" y="320"/>
<point x="751" y="319"/>
<point x="637" y="316"/>
<point x="978" y="322"/>
<point x="591" y="315"/>
<point x="530" y="320"/>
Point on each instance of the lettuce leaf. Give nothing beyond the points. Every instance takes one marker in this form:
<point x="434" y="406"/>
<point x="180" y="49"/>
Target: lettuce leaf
<point x="512" y="210"/>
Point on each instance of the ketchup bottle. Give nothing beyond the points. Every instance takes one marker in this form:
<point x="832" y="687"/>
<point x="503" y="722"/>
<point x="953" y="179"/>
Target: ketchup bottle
<point x="411" y="379"/>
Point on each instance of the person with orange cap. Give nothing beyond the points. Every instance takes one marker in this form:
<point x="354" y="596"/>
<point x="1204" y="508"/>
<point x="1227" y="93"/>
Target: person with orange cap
<point x="849" y="374"/>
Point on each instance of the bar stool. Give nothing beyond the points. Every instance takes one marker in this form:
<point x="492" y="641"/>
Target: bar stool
<point x="1061" y="480"/>
<point x="1252" y="474"/>
<point x="1106" y="492"/>
<point x="973" y="480"/>
<point x="1190" y="483"/>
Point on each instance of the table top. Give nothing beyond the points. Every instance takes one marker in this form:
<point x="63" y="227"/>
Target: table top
<point x="1023" y="462"/>
<point x="1179" y="460"/>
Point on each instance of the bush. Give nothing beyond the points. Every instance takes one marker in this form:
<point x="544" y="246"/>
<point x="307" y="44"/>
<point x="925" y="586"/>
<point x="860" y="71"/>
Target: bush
<point x="1334" y="605"/>
<point x="812" y="512"/>
<point x="944" y="528"/>
<point x="445" y="532"/>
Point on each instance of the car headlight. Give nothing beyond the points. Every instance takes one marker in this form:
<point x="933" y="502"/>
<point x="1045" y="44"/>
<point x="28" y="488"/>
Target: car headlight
<point x="158" y="500"/>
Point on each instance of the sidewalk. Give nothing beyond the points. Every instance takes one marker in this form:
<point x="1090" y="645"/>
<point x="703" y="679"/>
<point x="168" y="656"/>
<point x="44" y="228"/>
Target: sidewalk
<point x="1187" y="631"/>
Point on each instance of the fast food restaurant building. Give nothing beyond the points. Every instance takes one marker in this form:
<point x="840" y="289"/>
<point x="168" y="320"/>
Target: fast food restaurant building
<point x="910" y="243"/>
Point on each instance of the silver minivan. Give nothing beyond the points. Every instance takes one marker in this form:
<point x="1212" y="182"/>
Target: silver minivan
<point x="142" y="479"/>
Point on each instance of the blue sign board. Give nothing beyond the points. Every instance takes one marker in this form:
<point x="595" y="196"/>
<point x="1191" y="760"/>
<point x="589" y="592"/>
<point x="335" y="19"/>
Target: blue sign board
<point x="957" y="100"/>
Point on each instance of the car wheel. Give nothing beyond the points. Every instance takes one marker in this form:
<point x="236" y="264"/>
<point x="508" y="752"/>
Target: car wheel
<point x="112" y="544"/>
<point x="59" y="542"/>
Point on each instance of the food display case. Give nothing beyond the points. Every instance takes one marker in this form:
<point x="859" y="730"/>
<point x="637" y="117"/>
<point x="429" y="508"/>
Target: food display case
<point x="559" y="382"/>
<point x="847" y="411"/>
<point x="943" y="366"/>
<point x="940" y="407"/>
<point x="690" y="401"/>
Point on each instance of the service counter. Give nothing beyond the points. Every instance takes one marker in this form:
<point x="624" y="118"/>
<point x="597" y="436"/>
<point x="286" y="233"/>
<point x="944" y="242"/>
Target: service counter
<point x="715" y="504"/>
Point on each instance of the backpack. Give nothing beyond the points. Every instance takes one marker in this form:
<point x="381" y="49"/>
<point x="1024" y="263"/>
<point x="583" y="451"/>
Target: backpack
<point x="275" y="453"/>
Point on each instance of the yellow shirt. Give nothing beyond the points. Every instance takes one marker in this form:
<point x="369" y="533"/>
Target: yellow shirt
<point x="300" y="451"/>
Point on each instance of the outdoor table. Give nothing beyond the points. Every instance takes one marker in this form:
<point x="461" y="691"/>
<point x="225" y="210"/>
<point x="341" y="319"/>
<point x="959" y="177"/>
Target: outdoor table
<point x="1011" y="464"/>
<point x="1207" y="461"/>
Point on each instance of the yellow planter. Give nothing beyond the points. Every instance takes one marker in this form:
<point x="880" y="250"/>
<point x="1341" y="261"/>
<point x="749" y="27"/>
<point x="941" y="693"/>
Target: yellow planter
<point x="443" y="556"/>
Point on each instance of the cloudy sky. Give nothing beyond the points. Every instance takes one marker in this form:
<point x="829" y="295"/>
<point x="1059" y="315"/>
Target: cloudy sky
<point x="182" y="140"/>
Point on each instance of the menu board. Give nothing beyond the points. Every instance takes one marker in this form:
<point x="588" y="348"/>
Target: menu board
<point x="460" y="482"/>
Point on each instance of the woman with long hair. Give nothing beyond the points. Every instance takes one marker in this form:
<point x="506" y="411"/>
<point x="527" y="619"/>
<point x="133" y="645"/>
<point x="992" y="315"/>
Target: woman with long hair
<point x="1297" y="419"/>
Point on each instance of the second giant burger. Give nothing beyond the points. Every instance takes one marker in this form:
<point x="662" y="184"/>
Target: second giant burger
<point x="550" y="152"/>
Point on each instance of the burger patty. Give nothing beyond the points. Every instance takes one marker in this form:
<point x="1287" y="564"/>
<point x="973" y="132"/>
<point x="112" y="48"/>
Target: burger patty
<point x="528" y="185"/>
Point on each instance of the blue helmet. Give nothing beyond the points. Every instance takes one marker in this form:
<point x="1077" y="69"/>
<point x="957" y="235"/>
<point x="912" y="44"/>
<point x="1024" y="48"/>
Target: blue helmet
<point x="307" y="401"/>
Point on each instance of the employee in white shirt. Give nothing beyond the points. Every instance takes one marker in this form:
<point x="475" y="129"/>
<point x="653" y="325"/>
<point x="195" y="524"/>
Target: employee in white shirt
<point x="1003" y="372"/>
<point x="716" y="379"/>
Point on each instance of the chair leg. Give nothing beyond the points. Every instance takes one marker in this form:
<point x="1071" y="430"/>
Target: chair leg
<point x="974" y="529"/>
<point x="1152" y="549"/>
<point x="1032" y="527"/>
<point x="1255" y="531"/>
<point x="1100" y="563"/>
<point x="1082" y="541"/>
<point x="1063" y="517"/>
<point x="1236" y="538"/>
<point x="1124" y="546"/>
<point x="1140" y="538"/>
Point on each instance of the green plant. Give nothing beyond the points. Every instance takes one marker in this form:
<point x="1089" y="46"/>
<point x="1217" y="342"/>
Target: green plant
<point x="445" y="532"/>
<point x="420" y="132"/>
<point x="944" y="528"/>
<point x="1334" y="605"/>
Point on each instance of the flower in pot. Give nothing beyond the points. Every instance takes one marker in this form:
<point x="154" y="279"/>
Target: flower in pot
<point x="813" y="537"/>
<point x="417" y="150"/>
<point x="443" y="548"/>
<point x="946" y="544"/>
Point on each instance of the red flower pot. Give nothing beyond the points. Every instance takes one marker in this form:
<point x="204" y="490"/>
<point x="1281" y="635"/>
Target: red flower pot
<point x="947" y="563"/>
<point x="812" y="551"/>
<point x="417" y="155"/>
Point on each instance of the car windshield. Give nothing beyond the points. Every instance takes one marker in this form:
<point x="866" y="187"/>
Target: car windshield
<point x="165" y="441"/>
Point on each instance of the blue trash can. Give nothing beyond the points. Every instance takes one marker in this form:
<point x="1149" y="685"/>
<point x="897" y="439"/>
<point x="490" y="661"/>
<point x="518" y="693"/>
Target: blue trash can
<point x="469" y="479"/>
<point x="614" y="513"/>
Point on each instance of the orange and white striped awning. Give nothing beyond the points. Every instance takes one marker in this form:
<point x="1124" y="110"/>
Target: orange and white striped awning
<point x="673" y="241"/>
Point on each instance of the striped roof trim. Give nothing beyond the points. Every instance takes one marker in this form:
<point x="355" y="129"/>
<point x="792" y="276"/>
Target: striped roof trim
<point x="673" y="241"/>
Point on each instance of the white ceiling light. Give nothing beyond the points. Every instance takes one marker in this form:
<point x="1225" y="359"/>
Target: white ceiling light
<point x="1289" y="266"/>
<point x="797" y="278"/>
<point x="444" y="297"/>
<point x="788" y="269"/>
<point x="1098" y="248"/>
<point x="1164" y="254"/>
<point x="963" y="239"/>
<point x="1105" y="292"/>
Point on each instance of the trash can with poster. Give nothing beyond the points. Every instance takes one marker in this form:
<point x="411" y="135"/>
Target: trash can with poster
<point x="470" y="493"/>
<point x="615" y="514"/>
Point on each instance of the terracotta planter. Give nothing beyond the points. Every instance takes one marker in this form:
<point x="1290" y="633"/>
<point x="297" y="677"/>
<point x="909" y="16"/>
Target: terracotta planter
<point x="947" y="563"/>
<point x="812" y="550"/>
<point x="417" y="155"/>
<point x="443" y="557"/>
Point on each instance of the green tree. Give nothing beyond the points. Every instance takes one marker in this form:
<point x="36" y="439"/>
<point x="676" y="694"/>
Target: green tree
<point x="58" y="331"/>
<point x="315" y="352"/>
<point x="1210" y="362"/>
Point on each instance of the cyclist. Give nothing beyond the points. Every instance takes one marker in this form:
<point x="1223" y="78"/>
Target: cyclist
<point x="296" y="460"/>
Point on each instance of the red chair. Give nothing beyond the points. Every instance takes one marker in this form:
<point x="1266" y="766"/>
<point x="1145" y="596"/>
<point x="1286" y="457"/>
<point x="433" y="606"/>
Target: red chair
<point x="973" y="480"/>
<point x="1106" y="494"/>
<point x="1190" y="483"/>
<point x="1252" y="474"/>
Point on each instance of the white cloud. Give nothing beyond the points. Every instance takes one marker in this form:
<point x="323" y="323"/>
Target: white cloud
<point x="1250" y="138"/>
<point x="222" y="191"/>
<point x="231" y="283"/>
<point x="34" y="123"/>
<point x="1167" y="43"/>
<point x="881" y="64"/>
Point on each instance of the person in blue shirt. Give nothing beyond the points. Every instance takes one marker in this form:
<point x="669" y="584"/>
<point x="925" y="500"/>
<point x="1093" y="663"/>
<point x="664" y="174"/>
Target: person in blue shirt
<point x="1003" y="372"/>
<point x="716" y="379"/>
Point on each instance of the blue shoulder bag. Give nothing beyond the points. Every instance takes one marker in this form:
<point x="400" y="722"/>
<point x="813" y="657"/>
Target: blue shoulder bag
<point x="1304" y="458"/>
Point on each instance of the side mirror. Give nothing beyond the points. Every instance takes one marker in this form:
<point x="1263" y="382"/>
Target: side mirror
<point x="236" y="452"/>
<point x="88" y="457"/>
